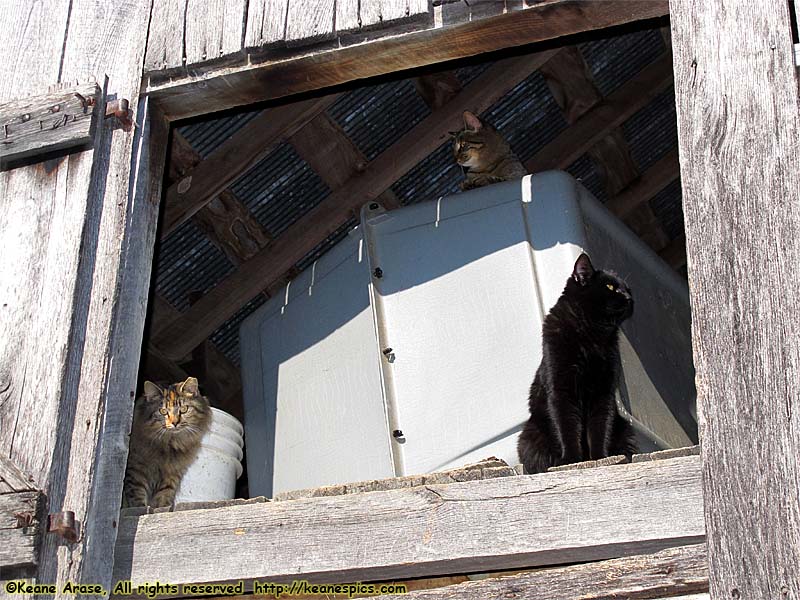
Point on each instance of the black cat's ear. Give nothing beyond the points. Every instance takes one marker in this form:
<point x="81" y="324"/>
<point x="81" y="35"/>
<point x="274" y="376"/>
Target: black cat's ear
<point x="190" y="386"/>
<point x="583" y="269"/>
<point x="151" y="390"/>
<point x="472" y="122"/>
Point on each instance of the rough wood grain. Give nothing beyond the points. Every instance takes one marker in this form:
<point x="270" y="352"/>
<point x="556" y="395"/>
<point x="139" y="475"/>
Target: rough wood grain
<point x="49" y="123"/>
<point x="347" y="18"/>
<point x="266" y="22"/>
<point x="738" y="129"/>
<point x="214" y="28"/>
<point x="307" y="232"/>
<point x="20" y="515"/>
<point x="309" y="21"/>
<point x="604" y="117"/>
<point x="503" y="523"/>
<point x="333" y="155"/>
<point x="165" y="45"/>
<point x="666" y="573"/>
<point x="664" y="454"/>
<point x="234" y="157"/>
<point x="201" y="92"/>
<point x="225" y="220"/>
<point x="12" y="479"/>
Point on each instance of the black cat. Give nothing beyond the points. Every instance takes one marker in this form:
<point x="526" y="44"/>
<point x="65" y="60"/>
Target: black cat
<point x="573" y="413"/>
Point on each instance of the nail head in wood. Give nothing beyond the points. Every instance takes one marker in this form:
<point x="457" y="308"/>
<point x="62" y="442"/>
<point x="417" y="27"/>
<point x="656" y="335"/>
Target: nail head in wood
<point x="63" y="523"/>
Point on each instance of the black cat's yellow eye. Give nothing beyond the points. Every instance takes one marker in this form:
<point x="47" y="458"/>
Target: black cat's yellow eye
<point x="610" y="286"/>
<point x="184" y="409"/>
<point x="163" y="411"/>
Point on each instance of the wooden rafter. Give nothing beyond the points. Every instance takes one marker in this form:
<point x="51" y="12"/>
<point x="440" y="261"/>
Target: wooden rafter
<point x="225" y="220"/>
<point x="656" y="178"/>
<point x="234" y="157"/>
<point x="305" y="234"/>
<point x="200" y="92"/>
<point x="437" y="89"/>
<point x="333" y="155"/>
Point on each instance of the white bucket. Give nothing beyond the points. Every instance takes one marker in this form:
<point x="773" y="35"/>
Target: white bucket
<point x="213" y="474"/>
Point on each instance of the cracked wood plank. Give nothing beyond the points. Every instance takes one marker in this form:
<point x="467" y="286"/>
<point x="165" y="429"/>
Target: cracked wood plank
<point x="503" y="523"/>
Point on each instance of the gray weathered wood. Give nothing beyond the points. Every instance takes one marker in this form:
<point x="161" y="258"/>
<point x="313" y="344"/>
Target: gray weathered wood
<point x="165" y="37"/>
<point x="266" y="22"/>
<point x="51" y="122"/>
<point x="306" y="233"/>
<point x="738" y="130"/>
<point x="309" y="21"/>
<point x="214" y="28"/>
<point x="502" y="523"/>
<point x="591" y="464"/>
<point x="20" y="515"/>
<point x="666" y="573"/>
<point x="200" y="92"/>
<point x="664" y="454"/>
<point x="12" y="479"/>
<point x="486" y="469"/>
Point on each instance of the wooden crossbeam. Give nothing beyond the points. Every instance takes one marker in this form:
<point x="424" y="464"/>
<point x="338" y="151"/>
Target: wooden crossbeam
<point x="333" y="155"/>
<point x="234" y="157"/>
<point x="306" y="233"/>
<point x="225" y="219"/>
<point x="217" y="89"/>
<point x="437" y="89"/>
<point x="656" y="178"/>
<point x="502" y="523"/>
<point x="604" y="117"/>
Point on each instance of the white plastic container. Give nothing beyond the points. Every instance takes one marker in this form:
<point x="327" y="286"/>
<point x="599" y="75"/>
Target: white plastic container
<point x="213" y="474"/>
<point x="410" y="347"/>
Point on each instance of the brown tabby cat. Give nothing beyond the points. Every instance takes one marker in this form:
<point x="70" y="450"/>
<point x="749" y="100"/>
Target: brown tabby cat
<point x="487" y="156"/>
<point x="168" y="424"/>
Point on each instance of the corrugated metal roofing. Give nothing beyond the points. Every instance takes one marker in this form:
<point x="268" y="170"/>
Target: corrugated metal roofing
<point x="282" y="187"/>
<point x="374" y="117"/>
<point x="613" y="61"/>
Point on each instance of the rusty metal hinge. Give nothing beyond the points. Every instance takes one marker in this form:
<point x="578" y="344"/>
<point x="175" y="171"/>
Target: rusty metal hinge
<point x="63" y="523"/>
<point x="120" y="109"/>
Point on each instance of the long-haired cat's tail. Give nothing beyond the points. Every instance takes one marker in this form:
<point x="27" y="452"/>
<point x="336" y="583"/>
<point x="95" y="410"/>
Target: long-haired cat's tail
<point x="533" y="450"/>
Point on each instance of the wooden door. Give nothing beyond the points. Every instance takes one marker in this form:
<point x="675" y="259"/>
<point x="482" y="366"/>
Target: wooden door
<point x="77" y="235"/>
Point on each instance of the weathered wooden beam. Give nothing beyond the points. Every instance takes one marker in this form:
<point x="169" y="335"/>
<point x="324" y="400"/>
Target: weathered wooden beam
<point x="234" y="157"/>
<point x="307" y="232"/>
<point x="20" y="518"/>
<point x="333" y="155"/>
<point x="12" y="479"/>
<point x="666" y="573"/>
<point x="225" y="220"/>
<point x="200" y="92"/>
<point x="53" y="122"/>
<point x="652" y="181"/>
<point x="437" y="89"/>
<point x="738" y="130"/>
<point x="604" y="117"/>
<point x="503" y="523"/>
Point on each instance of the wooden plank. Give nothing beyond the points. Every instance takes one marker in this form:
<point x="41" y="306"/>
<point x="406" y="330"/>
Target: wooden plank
<point x="664" y="454"/>
<point x="165" y="48"/>
<point x="437" y="89"/>
<point x="225" y="220"/>
<point x="309" y="21"/>
<point x="652" y="181"/>
<point x="51" y="122"/>
<point x="221" y="88"/>
<point x="307" y="232"/>
<point x="738" y="128"/>
<point x="214" y="28"/>
<point x="502" y="523"/>
<point x="233" y="158"/>
<point x="266" y="22"/>
<point x="20" y="515"/>
<point x="570" y="81"/>
<point x="347" y="18"/>
<point x="666" y="573"/>
<point x="12" y="479"/>
<point x="605" y="116"/>
<point x="333" y="155"/>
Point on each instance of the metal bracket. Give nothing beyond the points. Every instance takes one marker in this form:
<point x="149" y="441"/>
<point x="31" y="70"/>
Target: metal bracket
<point x="63" y="523"/>
<point x="120" y="109"/>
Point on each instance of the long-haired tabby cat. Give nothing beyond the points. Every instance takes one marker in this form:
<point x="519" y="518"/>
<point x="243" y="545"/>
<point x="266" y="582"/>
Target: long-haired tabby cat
<point x="486" y="155"/>
<point x="168" y="424"/>
<point x="573" y="411"/>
